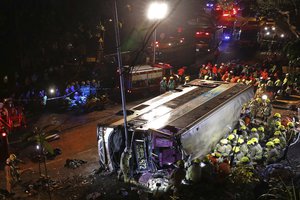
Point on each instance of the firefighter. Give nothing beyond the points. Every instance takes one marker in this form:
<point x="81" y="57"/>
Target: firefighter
<point x="243" y="146"/>
<point x="266" y="109"/>
<point x="253" y="133"/>
<point x="125" y="166"/>
<point x="244" y="132"/>
<point x="163" y="85"/>
<point x="282" y="130"/>
<point x="291" y="132"/>
<point x="244" y="161"/>
<point x="238" y="154"/>
<point x="193" y="173"/>
<point x="271" y="154"/>
<point x="261" y="133"/>
<point x="224" y="148"/>
<point x="278" y="134"/>
<point x="277" y="144"/>
<point x="176" y="178"/>
<point x="232" y="138"/>
<point x="171" y="83"/>
<point x="255" y="150"/>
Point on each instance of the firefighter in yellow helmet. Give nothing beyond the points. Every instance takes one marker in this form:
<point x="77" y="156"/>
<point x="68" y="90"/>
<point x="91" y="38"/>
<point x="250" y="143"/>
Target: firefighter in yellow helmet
<point x="253" y="133"/>
<point x="223" y="147"/>
<point x="271" y="154"/>
<point x="261" y="133"/>
<point x="277" y="134"/>
<point x="244" y="161"/>
<point x="255" y="150"/>
<point x="277" y="144"/>
<point x="193" y="173"/>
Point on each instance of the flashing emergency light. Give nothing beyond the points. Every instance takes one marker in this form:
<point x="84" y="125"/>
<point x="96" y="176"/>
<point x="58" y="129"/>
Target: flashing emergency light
<point x="210" y="5"/>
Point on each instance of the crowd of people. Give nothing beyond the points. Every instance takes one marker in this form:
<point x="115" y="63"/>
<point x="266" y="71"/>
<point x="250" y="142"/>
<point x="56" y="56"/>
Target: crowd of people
<point x="255" y="141"/>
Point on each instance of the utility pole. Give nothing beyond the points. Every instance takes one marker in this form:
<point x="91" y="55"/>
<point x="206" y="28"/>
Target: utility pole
<point x="121" y="71"/>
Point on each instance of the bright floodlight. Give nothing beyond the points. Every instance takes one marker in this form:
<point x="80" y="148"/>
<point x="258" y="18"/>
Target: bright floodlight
<point x="264" y="97"/>
<point x="51" y="90"/>
<point x="157" y="10"/>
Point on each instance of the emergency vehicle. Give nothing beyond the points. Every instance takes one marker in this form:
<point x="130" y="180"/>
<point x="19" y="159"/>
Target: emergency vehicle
<point x="144" y="79"/>
<point x="12" y="115"/>
<point x="208" y="39"/>
<point x="184" y="123"/>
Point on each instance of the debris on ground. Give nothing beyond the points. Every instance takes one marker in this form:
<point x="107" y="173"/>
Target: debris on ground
<point x="74" y="163"/>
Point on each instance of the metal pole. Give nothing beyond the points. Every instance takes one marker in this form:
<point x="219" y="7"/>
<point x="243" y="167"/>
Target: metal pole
<point x="121" y="71"/>
<point x="154" y="45"/>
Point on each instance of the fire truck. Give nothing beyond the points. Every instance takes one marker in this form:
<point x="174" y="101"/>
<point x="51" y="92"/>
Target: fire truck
<point x="184" y="123"/>
<point x="12" y="115"/>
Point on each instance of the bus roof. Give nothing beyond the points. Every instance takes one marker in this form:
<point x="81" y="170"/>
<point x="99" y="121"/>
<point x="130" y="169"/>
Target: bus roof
<point x="181" y="108"/>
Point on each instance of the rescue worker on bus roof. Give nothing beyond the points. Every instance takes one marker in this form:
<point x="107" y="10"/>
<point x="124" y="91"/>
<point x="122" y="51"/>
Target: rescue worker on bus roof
<point x="171" y="83"/>
<point x="163" y="85"/>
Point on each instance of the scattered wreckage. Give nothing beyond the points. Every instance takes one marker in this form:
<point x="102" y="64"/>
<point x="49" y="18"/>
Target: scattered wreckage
<point x="184" y="123"/>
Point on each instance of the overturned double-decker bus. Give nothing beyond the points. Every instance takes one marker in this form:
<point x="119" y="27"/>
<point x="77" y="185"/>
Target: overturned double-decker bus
<point x="184" y="123"/>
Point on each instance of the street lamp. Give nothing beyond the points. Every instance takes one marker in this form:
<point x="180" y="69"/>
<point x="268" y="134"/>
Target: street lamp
<point x="156" y="11"/>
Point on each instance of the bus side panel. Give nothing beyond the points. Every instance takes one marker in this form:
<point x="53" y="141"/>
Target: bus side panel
<point x="199" y="140"/>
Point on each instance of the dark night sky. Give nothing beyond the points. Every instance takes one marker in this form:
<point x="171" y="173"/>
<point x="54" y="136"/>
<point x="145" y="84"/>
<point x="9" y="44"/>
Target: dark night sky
<point x="34" y="31"/>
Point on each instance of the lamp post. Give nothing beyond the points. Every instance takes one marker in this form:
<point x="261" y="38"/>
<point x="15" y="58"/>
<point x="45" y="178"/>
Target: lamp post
<point x="156" y="11"/>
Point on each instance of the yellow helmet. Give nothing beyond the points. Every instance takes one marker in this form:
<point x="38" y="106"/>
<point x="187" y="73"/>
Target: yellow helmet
<point x="245" y="159"/>
<point x="282" y="128"/>
<point x="243" y="127"/>
<point x="164" y="78"/>
<point x="290" y="124"/>
<point x="277" y="115"/>
<point x="253" y="130"/>
<point x="254" y="140"/>
<point x="234" y="131"/>
<point x="261" y="129"/>
<point x="258" y="100"/>
<point x="240" y="141"/>
<point x="224" y="141"/>
<point x="236" y="149"/>
<point x="171" y="77"/>
<point x="230" y="137"/>
<point x="276" y="141"/>
<point x="217" y="154"/>
<point x="276" y="133"/>
<point x="249" y="142"/>
<point x="277" y="123"/>
<point x="270" y="144"/>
